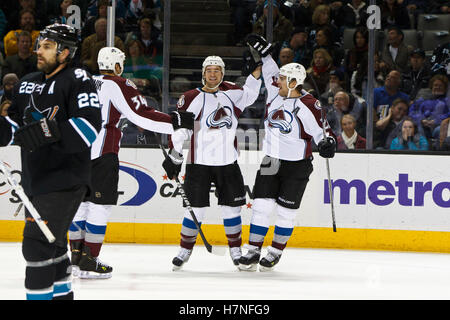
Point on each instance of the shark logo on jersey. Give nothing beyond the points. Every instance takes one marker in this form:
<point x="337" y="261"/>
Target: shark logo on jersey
<point x="31" y="113"/>
<point x="146" y="185"/>
<point x="221" y="117"/>
<point x="281" y="119"/>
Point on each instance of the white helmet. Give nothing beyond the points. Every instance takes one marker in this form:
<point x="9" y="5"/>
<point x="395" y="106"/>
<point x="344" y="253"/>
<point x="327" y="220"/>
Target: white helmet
<point x="108" y="57"/>
<point x="293" y="71"/>
<point x="213" y="61"/>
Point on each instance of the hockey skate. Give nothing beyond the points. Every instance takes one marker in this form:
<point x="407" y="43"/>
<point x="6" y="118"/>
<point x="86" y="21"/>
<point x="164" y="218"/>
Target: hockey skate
<point x="236" y="254"/>
<point x="270" y="260"/>
<point x="92" y="268"/>
<point x="249" y="261"/>
<point x="76" y="248"/>
<point x="182" y="257"/>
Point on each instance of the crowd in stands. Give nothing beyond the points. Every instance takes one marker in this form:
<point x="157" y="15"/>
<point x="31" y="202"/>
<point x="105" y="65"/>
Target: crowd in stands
<point x="330" y="39"/>
<point x="137" y="29"/>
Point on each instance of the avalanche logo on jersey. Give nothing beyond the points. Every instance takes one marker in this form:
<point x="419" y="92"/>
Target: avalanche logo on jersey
<point x="281" y="119"/>
<point x="221" y="117"/>
<point x="146" y="185"/>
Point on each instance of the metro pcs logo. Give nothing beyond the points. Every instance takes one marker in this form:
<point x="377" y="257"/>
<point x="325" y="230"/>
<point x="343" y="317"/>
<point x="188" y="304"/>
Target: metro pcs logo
<point x="146" y="185"/>
<point x="383" y="192"/>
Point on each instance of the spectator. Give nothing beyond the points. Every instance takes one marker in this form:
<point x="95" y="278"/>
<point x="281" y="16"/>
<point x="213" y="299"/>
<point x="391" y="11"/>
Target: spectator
<point x="387" y="128"/>
<point x="302" y="14"/>
<point x="394" y="15"/>
<point x="358" y="54"/>
<point x="384" y="96"/>
<point x="27" y="23"/>
<point x="141" y="69"/>
<point x="282" y="8"/>
<point x="349" y="138"/>
<point x="341" y="105"/>
<point x="102" y="9"/>
<point x="358" y="82"/>
<point x="39" y="14"/>
<point x="324" y="40"/>
<point x="322" y="18"/>
<point x="318" y="75"/>
<point x="135" y="11"/>
<point x="9" y="81"/>
<point x="150" y="38"/>
<point x="395" y="54"/>
<point x="409" y="138"/>
<point x="92" y="45"/>
<point x="352" y="15"/>
<point x="430" y="112"/>
<point x="335" y="84"/>
<point x="418" y="75"/>
<point x="439" y="6"/>
<point x="24" y="61"/>
<point x="62" y="15"/>
<point x="415" y="7"/>
<point x="298" y="43"/>
<point x="444" y="136"/>
<point x="440" y="61"/>
<point x="4" y="108"/>
<point x="282" y="27"/>
<point x="286" y="56"/>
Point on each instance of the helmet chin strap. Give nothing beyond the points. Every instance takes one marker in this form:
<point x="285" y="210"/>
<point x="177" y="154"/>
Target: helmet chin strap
<point x="211" y="88"/>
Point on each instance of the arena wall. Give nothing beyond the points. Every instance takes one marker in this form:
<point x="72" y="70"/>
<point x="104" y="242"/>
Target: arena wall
<point x="382" y="202"/>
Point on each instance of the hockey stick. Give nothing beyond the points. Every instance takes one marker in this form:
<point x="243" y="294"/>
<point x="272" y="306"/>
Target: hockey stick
<point x="19" y="190"/>
<point x="220" y="251"/>
<point x="327" y="161"/>
<point x="18" y="209"/>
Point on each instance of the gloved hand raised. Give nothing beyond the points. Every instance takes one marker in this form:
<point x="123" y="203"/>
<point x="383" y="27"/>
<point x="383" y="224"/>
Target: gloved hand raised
<point x="172" y="163"/>
<point x="327" y="147"/>
<point x="259" y="44"/>
<point x="182" y="119"/>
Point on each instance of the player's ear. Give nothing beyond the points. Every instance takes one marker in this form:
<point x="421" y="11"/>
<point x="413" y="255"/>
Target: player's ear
<point x="62" y="57"/>
<point x="118" y="69"/>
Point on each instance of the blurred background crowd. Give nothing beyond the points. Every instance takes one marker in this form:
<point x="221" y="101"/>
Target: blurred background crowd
<point x="411" y="109"/>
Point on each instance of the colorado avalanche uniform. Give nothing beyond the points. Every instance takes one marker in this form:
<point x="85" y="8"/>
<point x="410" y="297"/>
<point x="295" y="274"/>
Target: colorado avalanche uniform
<point x="213" y="141"/>
<point x="213" y="155"/>
<point x="290" y="126"/>
<point x="119" y="98"/>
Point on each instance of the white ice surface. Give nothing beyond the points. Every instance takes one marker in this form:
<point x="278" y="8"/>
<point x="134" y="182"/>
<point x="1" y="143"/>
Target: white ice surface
<point x="144" y="272"/>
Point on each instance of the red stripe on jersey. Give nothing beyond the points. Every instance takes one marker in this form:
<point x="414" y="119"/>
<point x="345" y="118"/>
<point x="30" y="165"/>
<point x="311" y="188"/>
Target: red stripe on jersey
<point x="186" y="99"/>
<point x="314" y="106"/>
<point x="224" y="86"/>
<point x="112" y="133"/>
<point x="237" y="112"/>
<point x="151" y="113"/>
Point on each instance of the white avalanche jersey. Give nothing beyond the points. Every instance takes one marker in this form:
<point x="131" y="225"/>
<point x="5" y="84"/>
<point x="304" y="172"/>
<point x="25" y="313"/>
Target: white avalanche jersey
<point x="290" y="123"/>
<point x="213" y="140"/>
<point x="119" y="98"/>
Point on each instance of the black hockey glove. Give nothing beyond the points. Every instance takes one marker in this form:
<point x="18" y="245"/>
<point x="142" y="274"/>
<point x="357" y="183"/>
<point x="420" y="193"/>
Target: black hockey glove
<point x="37" y="134"/>
<point x="259" y="44"/>
<point x="327" y="147"/>
<point x="172" y="164"/>
<point x="250" y="63"/>
<point x="182" y="119"/>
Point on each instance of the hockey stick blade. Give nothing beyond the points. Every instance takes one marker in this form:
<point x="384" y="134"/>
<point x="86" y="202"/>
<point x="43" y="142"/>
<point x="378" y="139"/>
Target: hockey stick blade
<point x="27" y="203"/>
